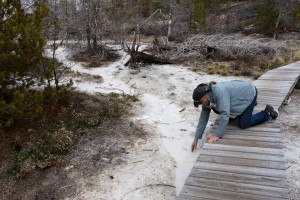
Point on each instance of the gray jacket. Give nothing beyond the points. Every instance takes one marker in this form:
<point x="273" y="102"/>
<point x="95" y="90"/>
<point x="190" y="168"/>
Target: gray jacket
<point x="231" y="98"/>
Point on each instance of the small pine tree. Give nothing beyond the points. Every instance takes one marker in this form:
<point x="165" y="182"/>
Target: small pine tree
<point x="296" y="13"/>
<point x="21" y="48"/>
<point x="198" y="14"/>
<point x="267" y="16"/>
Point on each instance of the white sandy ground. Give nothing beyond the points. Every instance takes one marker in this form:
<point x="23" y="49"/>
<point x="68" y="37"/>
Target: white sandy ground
<point x="158" y="166"/>
<point x="290" y="122"/>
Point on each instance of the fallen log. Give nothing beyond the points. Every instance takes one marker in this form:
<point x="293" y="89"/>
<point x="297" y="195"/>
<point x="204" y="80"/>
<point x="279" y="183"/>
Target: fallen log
<point x="141" y="57"/>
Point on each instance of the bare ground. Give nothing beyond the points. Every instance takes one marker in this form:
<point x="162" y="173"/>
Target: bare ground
<point x="290" y="121"/>
<point x="92" y="155"/>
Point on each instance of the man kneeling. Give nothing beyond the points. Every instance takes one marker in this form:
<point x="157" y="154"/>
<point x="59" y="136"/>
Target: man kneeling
<point x="229" y="99"/>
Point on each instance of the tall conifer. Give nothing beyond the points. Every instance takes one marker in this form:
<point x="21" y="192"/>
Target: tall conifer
<point x="21" y="48"/>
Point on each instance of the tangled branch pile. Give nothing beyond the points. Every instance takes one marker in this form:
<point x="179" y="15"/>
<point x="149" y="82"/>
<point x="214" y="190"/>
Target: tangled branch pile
<point x="230" y="47"/>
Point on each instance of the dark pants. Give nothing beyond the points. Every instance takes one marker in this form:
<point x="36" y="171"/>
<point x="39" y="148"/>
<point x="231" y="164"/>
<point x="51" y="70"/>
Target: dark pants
<point x="246" y="119"/>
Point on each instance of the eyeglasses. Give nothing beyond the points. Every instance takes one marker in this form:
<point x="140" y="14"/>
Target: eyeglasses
<point x="197" y="103"/>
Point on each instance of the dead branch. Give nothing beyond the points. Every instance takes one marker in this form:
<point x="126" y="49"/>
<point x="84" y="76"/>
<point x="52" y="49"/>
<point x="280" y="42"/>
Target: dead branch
<point x="140" y="57"/>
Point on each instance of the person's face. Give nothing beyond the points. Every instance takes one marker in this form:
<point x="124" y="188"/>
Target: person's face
<point x="204" y="100"/>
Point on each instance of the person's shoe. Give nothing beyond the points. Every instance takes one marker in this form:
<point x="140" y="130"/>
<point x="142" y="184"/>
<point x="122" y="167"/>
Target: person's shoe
<point x="272" y="112"/>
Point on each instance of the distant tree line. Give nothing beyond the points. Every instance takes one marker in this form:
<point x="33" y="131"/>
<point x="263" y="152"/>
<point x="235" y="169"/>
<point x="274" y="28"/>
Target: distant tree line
<point x="94" y="20"/>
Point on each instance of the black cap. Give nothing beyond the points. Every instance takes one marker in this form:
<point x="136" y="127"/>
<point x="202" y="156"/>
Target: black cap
<point x="199" y="92"/>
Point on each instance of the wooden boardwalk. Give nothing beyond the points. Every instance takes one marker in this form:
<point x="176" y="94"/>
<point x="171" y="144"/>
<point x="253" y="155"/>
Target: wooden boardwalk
<point x="247" y="164"/>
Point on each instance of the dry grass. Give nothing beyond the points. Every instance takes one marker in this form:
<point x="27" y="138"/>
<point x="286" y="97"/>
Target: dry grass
<point x="278" y="61"/>
<point x="218" y="68"/>
<point x="296" y="55"/>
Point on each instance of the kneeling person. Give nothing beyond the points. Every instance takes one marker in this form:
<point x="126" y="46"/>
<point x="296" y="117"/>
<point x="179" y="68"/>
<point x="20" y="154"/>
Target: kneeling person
<point x="235" y="98"/>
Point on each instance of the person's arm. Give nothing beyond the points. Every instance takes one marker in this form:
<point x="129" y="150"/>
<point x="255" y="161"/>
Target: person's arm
<point x="202" y="122"/>
<point x="201" y="126"/>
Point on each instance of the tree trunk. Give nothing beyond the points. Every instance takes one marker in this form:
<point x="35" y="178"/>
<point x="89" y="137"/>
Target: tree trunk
<point x="88" y="26"/>
<point x="169" y="27"/>
<point x="276" y="26"/>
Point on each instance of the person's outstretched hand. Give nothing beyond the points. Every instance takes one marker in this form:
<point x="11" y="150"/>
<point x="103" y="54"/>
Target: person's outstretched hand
<point x="213" y="139"/>
<point x="194" y="145"/>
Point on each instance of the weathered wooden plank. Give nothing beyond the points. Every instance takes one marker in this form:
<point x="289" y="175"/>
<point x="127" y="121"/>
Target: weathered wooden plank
<point x="254" y="128"/>
<point x="278" y="93"/>
<point x="255" y="138"/>
<point x="275" y="94"/>
<point x="271" y="101"/>
<point x="242" y="162"/>
<point x="258" y="171"/>
<point x="282" y="94"/>
<point x="294" y="66"/>
<point x="277" y="98"/>
<point x="184" y="197"/>
<point x="262" y="88"/>
<point x="243" y="149"/>
<point x="270" y="126"/>
<point x="267" y="86"/>
<point x="267" y="78"/>
<point x="241" y="178"/>
<point x="281" y="88"/>
<point x="274" y="126"/>
<point x="233" y="186"/>
<point x="288" y="69"/>
<point x="270" y="85"/>
<point x="250" y="143"/>
<point x="272" y="93"/>
<point x="279" y="78"/>
<point x="278" y="73"/>
<point x="279" y="84"/>
<point x="242" y="155"/>
<point x="252" y="133"/>
<point x="190" y="191"/>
